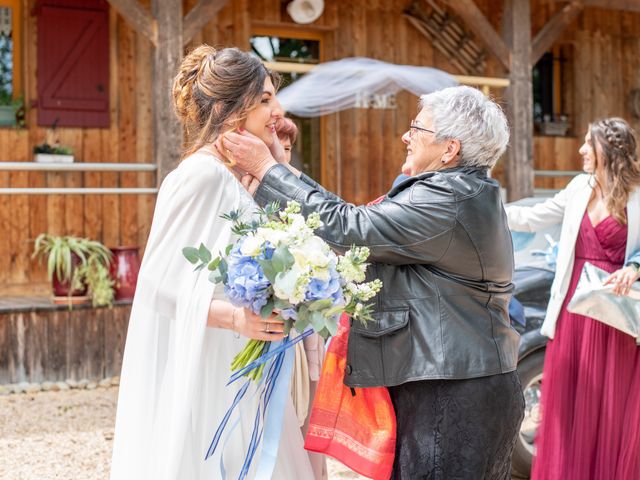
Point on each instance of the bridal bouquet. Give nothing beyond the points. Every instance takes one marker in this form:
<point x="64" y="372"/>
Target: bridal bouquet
<point x="279" y="265"/>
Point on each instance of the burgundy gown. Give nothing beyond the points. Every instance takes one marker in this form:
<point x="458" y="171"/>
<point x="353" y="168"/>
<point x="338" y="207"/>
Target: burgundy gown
<point x="591" y="389"/>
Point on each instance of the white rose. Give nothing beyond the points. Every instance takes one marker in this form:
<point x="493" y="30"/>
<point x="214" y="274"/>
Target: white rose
<point x="275" y="237"/>
<point x="251" y="246"/>
<point x="285" y="286"/>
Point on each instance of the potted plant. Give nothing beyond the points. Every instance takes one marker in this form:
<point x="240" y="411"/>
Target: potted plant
<point x="10" y="110"/>
<point x="50" y="151"/>
<point x="76" y="266"/>
<point x="9" y="105"/>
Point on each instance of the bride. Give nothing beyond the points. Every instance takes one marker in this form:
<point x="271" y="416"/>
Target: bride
<point x="182" y="333"/>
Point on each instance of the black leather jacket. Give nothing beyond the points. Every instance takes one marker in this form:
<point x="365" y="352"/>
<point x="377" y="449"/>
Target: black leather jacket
<point x="440" y="244"/>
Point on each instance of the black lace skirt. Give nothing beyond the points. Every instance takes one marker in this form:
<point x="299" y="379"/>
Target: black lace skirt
<point x="457" y="429"/>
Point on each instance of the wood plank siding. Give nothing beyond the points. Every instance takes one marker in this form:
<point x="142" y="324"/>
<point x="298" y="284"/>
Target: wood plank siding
<point x="361" y="149"/>
<point x="53" y="343"/>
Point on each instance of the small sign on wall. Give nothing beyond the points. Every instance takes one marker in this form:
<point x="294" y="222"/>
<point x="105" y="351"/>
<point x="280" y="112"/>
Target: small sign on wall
<point x="376" y="101"/>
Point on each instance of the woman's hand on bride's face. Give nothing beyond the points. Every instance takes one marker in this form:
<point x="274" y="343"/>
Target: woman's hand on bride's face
<point x="249" y="153"/>
<point x="254" y="326"/>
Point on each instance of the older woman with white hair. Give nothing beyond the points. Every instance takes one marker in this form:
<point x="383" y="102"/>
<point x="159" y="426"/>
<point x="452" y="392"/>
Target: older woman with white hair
<point x="441" y="340"/>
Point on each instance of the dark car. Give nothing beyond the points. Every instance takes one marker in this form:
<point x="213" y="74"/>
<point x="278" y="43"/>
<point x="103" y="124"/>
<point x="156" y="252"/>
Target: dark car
<point x="535" y="256"/>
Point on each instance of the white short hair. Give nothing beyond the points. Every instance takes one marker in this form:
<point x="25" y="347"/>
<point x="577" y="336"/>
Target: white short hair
<point x="466" y="114"/>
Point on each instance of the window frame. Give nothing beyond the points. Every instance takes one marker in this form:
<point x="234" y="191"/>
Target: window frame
<point x="286" y="67"/>
<point x="16" y="28"/>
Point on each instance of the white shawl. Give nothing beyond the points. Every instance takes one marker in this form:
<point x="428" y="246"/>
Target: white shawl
<point x="172" y="389"/>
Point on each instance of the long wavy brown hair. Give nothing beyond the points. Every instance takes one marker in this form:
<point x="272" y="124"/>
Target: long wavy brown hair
<point x="214" y="91"/>
<point x="618" y="153"/>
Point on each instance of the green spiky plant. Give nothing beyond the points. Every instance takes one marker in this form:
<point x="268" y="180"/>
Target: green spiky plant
<point x="93" y="270"/>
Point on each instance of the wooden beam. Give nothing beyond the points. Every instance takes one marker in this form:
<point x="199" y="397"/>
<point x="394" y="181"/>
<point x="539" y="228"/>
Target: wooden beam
<point x="519" y="167"/>
<point x="625" y="5"/>
<point x="552" y="30"/>
<point x="199" y="16"/>
<point x="507" y="28"/>
<point x="138" y="16"/>
<point x="166" y="61"/>
<point x="475" y="20"/>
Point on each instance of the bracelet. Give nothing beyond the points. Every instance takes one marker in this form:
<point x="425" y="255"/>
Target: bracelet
<point x="233" y="323"/>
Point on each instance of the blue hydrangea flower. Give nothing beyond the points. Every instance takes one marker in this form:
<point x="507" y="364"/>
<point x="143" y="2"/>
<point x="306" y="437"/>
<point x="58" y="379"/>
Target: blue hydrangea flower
<point x="246" y="284"/>
<point x="319" y="289"/>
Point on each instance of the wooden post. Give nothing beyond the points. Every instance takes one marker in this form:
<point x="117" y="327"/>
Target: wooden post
<point x="519" y="168"/>
<point x="166" y="60"/>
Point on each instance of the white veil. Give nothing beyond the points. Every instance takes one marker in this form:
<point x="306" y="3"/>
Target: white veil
<point x="339" y="85"/>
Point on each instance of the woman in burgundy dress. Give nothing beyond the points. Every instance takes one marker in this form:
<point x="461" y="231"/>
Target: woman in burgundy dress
<point x="590" y="426"/>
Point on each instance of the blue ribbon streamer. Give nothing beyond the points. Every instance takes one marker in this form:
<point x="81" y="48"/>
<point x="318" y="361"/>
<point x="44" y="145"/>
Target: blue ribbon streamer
<point x="269" y="413"/>
<point x="275" y="417"/>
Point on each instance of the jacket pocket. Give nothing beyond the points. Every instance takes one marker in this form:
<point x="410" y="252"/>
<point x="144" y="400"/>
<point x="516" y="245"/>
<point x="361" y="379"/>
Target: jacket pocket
<point x="383" y="323"/>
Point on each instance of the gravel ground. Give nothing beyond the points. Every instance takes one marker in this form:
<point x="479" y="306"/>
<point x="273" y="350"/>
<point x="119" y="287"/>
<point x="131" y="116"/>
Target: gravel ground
<point x="68" y="435"/>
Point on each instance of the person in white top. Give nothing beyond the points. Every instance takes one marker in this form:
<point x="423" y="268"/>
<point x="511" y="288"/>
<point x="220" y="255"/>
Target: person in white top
<point x="183" y="334"/>
<point x="590" y="426"/>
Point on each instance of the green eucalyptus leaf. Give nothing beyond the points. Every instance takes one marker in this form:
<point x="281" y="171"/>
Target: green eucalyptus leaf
<point x="281" y="304"/>
<point x="320" y="304"/>
<point x="324" y="333"/>
<point x="267" y="268"/>
<point x="222" y="267"/>
<point x="282" y="259"/>
<point x="303" y="313"/>
<point x="213" y="265"/>
<point x="288" y="325"/>
<point x="267" y="310"/>
<point x="191" y="254"/>
<point x="227" y="251"/>
<point x="215" y="277"/>
<point x="204" y="253"/>
<point x="331" y="324"/>
<point x="302" y="323"/>
<point x="317" y="321"/>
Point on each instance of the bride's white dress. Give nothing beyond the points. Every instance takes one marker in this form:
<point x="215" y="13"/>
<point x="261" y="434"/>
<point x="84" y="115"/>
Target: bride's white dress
<point x="172" y="388"/>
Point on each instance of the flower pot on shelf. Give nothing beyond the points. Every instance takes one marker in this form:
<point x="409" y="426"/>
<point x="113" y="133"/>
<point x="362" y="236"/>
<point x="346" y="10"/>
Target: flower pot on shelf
<point x="76" y="263"/>
<point x="7" y="115"/>
<point x="53" y="158"/>
<point x="62" y="293"/>
<point x="124" y="269"/>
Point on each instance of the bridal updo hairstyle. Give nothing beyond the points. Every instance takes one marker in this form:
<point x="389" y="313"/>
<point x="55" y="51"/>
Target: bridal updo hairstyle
<point x="214" y="91"/>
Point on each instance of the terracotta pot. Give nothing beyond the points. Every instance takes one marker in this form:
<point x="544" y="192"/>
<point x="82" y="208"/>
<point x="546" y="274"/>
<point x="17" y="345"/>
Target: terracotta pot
<point x="61" y="288"/>
<point x="124" y="269"/>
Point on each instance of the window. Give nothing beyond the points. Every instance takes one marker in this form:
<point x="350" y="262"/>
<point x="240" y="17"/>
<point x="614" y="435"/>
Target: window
<point x="549" y="103"/>
<point x="279" y="52"/>
<point x="73" y="63"/>
<point x="10" y="51"/>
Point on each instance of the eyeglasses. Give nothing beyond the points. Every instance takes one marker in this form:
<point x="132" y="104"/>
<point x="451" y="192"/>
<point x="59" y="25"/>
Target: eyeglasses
<point x="414" y="127"/>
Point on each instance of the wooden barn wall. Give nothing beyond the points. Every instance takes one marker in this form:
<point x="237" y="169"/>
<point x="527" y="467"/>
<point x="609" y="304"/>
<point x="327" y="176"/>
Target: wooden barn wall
<point x="604" y="68"/>
<point x="362" y="148"/>
<point x="362" y="151"/>
<point x="112" y="219"/>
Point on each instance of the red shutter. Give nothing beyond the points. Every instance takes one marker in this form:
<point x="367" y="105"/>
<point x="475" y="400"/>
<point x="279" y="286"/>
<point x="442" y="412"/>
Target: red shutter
<point x="73" y="63"/>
